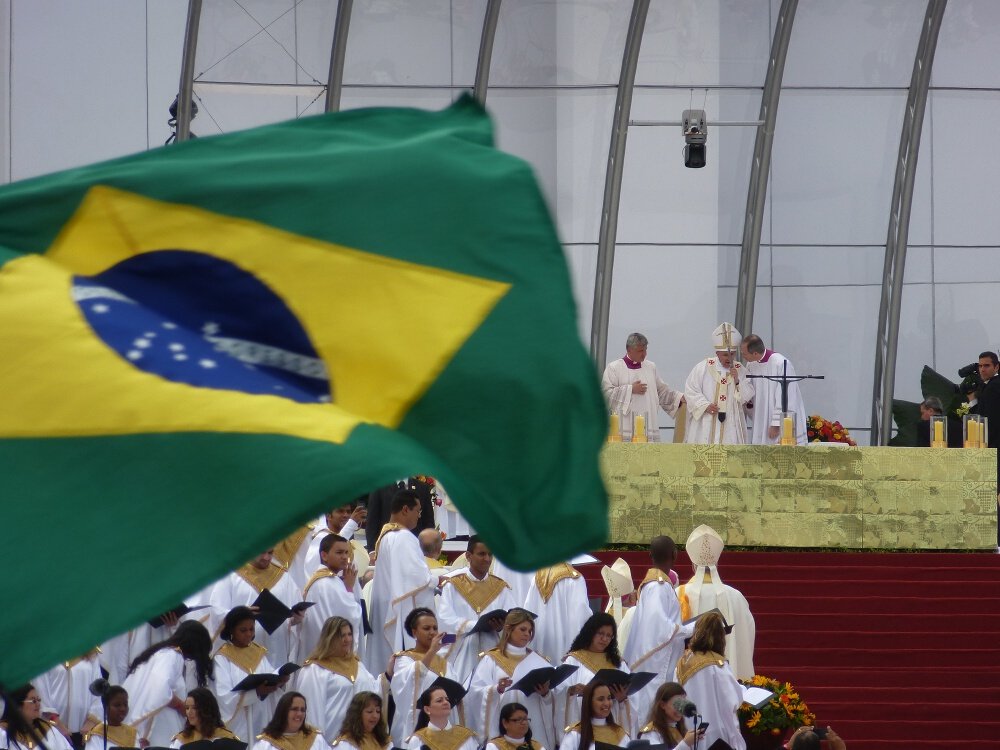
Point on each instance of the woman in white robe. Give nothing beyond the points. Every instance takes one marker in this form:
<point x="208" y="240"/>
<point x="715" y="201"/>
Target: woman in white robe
<point x="66" y="698"/>
<point x="288" y="729"/>
<point x="412" y="671"/>
<point x="245" y="712"/>
<point x="594" y="648"/>
<point x="596" y="722"/>
<point x="501" y="667"/>
<point x="332" y="675"/>
<point x="666" y="723"/>
<point x="515" y="730"/>
<point x="364" y="727"/>
<point x="119" y="733"/>
<point x="434" y="728"/>
<point x="204" y="720"/>
<point x="710" y="684"/>
<point x="16" y="731"/>
<point x="157" y="680"/>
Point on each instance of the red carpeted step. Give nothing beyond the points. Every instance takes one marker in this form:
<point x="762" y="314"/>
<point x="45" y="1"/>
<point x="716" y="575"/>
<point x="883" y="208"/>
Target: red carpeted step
<point x="778" y="622"/>
<point x="949" y="732"/>
<point x="809" y="679"/>
<point x="877" y="606"/>
<point x="891" y="640"/>
<point x="819" y="657"/>
<point x="894" y="587"/>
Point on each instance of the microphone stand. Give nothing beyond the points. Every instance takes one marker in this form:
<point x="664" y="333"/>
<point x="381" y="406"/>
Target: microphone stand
<point x="697" y="721"/>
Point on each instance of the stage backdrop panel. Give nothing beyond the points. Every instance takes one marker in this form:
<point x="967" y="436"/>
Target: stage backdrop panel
<point x="823" y="495"/>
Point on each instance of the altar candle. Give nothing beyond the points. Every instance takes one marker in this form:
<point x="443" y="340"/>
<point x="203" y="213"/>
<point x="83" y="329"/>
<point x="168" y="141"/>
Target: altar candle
<point x="939" y="431"/>
<point x="786" y="428"/>
<point x="973" y="434"/>
<point x="640" y="425"/>
<point x="616" y="426"/>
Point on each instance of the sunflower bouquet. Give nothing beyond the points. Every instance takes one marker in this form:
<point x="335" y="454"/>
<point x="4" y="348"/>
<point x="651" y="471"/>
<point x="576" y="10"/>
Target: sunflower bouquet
<point x="785" y="710"/>
<point x="819" y="430"/>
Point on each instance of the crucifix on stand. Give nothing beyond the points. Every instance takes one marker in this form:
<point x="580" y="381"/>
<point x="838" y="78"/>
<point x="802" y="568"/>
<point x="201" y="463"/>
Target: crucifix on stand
<point x="787" y="432"/>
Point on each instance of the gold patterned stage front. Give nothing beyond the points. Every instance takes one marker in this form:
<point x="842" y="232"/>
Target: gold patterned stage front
<point x="814" y="496"/>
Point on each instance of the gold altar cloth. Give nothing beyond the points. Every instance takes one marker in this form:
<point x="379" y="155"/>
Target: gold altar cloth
<point x="821" y="495"/>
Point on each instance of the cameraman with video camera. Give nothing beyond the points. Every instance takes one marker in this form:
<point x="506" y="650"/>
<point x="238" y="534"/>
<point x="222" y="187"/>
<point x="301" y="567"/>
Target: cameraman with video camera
<point x="988" y="405"/>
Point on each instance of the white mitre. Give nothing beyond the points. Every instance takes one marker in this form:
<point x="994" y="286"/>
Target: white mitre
<point x="704" y="546"/>
<point x="618" y="580"/>
<point x="726" y="338"/>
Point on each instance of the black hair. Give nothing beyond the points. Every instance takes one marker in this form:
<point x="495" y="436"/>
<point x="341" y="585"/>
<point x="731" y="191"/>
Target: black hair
<point x="594" y="623"/>
<point x="505" y="713"/>
<point x="206" y="705"/>
<point x="991" y="356"/>
<point x="415" y="614"/>
<point x="329" y="540"/>
<point x="423" y="702"/>
<point x="473" y="541"/>
<point x="233" y="618"/>
<point x="663" y="550"/>
<point x="17" y="724"/>
<point x="111" y="693"/>
<point x="194" y="643"/>
<point x="404" y="499"/>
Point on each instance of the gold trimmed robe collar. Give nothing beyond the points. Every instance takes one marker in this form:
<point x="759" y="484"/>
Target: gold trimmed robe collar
<point x="261" y="579"/>
<point x="345" y="666"/>
<point x="445" y="739"/>
<point x="247" y="659"/>
<point x="693" y="662"/>
<point x="547" y="578"/>
<point x="478" y="594"/>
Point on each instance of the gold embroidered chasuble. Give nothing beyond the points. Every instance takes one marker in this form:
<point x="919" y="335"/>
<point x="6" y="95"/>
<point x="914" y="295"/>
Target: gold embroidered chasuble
<point x="693" y="662"/>
<point x="286" y="550"/>
<point x="478" y="594"/>
<point x="653" y="575"/>
<point x="445" y="739"/>
<point x="547" y="578"/>
<point x="261" y="579"/>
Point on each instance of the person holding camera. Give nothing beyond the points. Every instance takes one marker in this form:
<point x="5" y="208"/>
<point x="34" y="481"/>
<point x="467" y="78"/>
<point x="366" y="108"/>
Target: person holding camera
<point x="988" y="405"/>
<point x="808" y="738"/>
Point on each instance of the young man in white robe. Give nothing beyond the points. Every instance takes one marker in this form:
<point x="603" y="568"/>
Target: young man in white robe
<point x="656" y="636"/>
<point x="558" y="596"/>
<point x="402" y="581"/>
<point x="716" y="392"/>
<point x="706" y="591"/>
<point x="242" y="587"/>
<point x="467" y="594"/>
<point x="632" y="387"/>
<point x="765" y="408"/>
<point x="333" y="589"/>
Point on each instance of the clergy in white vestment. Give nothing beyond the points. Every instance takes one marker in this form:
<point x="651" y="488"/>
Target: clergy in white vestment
<point x="656" y="637"/>
<point x="491" y="684"/>
<point x="706" y="591"/>
<point x="558" y="596"/>
<point x="597" y="722"/>
<point x="288" y="730"/>
<point x="716" y="392"/>
<point x="343" y="521"/>
<point x="466" y="595"/>
<point x="119" y="734"/>
<point x="242" y="587"/>
<point x="245" y="712"/>
<point x="28" y="701"/>
<point x="334" y="591"/>
<point x="332" y="676"/>
<point x="710" y="684"/>
<point x="66" y="697"/>
<point x="414" y="670"/>
<point x="159" y="679"/>
<point x="765" y="408"/>
<point x="402" y="581"/>
<point x="594" y="648"/>
<point x="632" y="387"/>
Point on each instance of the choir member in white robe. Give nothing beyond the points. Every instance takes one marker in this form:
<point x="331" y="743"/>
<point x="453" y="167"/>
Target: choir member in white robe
<point x="434" y="727"/>
<point x="710" y="684"/>
<point x="288" y="729"/>
<point x="558" y="595"/>
<point x="413" y="671"/>
<point x="334" y="591"/>
<point x="706" y="591"/>
<point x="499" y="669"/>
<point x="245" y="712"/>
<point x="765" y="408"/>
<point x="66" y="697"/>
<point x="402" y="581"/>
<point x="28" y="701"/>
<point x="656" y="638"/>
<point x="666" y="722"/>
<point x="466" y="594"/>
<point x="203" y="720"/>
<point x="514" y="730"/>
<point x="332" y="676"/>
<point x="597" y="724"/>
<point x="717" y="392"/>
<point x="344" y="521"/>
<point x="364" y="726"/>
<point x="594" y="648"/>
<point x="242" y="587"/>
<point x="157" y="680"/>
<point x="119" y="733"/>
<point x="632" y="387"/>
<point x="518" y="580"/>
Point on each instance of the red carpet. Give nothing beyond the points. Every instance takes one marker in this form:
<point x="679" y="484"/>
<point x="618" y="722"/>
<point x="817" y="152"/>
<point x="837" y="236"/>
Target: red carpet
<point x="896" y="651"/>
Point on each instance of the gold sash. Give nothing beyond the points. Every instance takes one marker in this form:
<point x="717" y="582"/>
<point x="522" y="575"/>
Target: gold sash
<point x="247" y="658"/>
<point x="261" y="579"/>
<point x="479" y="594"/>
<point x="286" y="550"/>
<point x="653" y="575"/>
<point x="508" y="662"/>
<point x="593" y="662"/>
<point x="502" y="743"/>
<point x="693" y="662"/>
<point x="439" y="665"/>
<point x="611" y="735"/>
<point x="547" y="578"/>
<point x="388" y="528"/>
<point x="318" y="575"/>
<point x="445" y="739"/>
<point x="345" y="666"/>
<point x="220" y="733"/>
<point x="298" y="741"/>
<point x="368" y="742"/>
<point x="123" y="735"/>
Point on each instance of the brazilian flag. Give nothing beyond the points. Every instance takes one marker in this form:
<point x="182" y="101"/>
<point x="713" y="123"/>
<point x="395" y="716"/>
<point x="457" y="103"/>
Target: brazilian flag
<point x="204" y="345"/>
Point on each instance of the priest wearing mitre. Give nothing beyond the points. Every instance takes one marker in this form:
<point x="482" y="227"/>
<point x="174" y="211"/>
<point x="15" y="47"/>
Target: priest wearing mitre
<point x="706" y="591"/>
<point x="716" y="392"/>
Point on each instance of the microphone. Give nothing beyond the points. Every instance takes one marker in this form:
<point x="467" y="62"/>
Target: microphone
<point x="684" y="707"/>
<point x="99" y="687"/>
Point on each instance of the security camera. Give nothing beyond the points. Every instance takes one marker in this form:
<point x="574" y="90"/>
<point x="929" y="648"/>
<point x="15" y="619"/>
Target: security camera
<point x="694" y="125"/>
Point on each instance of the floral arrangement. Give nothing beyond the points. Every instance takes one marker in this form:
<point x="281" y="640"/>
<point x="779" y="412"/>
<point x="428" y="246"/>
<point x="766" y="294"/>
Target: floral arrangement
<point x="962" y="409"/>
<point x="785" y="710"/>
<point x="819" y="430"/>
<point x="429" y="481"/>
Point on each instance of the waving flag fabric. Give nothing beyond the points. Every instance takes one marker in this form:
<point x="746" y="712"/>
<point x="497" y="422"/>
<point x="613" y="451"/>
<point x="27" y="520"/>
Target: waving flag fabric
<point x="202" y="346"/>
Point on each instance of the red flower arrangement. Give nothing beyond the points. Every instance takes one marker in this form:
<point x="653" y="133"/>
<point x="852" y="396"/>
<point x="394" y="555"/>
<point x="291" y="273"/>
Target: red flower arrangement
<point x="819" y="430"/>
<point x="429" y="481"/>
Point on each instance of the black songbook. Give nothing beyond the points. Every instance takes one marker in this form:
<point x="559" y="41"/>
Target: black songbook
<point x="552" y="675"/>
<point x="633" y="681"/>
<point x="365" y="624"/>
<point x="454" y="689"/>
<point x="272" y="611"/>
<point x="179" y="611"/>
<point x="720" y="744"/>
<point x="223" y="743"/>
<point x="728" y="628"/>
<point x="606" y="746"/>
<point x="254" y="681"/>
<point x="484" y="624"/>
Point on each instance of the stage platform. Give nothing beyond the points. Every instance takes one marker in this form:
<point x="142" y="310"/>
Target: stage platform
<point x="818" y="496"/>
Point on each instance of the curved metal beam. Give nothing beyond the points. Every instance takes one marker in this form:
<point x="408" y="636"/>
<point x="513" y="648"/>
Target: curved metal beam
<point x="613" y="186"/>
<point x="338" y="51"/>
<point x="760" y="169"/>
<point x="486" y="51"/>
<point x="887" y="335"/>
<point x="186" y="88"/>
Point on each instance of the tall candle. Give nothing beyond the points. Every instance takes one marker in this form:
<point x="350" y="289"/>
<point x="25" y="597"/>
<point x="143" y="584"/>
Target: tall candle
<point x="972" y="438"/>
<point x="640" y="425"/>
<point x="616" y="425"/>
<point x="939" y="431"/>
<point x="786" y="428"/>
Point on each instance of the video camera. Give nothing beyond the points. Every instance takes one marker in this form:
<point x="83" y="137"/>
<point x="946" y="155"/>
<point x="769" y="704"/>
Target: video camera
<point x="970" y="378"/>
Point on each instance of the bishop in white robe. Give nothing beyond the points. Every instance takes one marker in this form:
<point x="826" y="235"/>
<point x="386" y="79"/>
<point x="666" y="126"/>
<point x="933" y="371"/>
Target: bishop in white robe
<point x="632" y="387"/>
<point x="717" y="392"/>
<point x="765" y="408"/>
